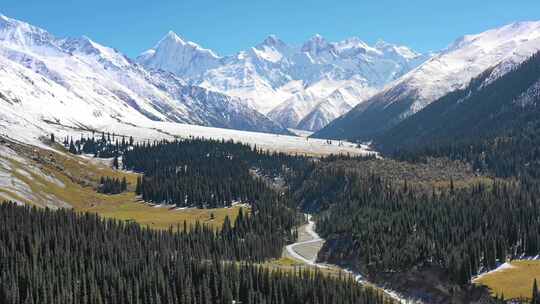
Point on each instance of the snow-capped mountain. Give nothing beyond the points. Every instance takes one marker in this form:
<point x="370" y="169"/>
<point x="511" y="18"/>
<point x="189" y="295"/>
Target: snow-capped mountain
<point x="452" y="69"/>
<point x="286" y="82"/>
<point x="77" y="82"/>
<point x="336" y="104"/>
<point x="184" y="58"/>
<point x="338" y="97"/>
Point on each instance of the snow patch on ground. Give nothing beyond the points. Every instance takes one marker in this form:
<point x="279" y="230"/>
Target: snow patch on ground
<point x="19" y="177"/>
<point x="301" y="133"/>
<point x="501" y="267"/>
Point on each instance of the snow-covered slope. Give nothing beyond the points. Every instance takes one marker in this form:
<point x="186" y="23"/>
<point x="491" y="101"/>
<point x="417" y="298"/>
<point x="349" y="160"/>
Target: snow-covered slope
<point x="489" y="107"/>
<point x="72" y="86"/>
<point x="323" y="101"/>
<point x="287" y="82"/>
<point x="331" y="107"/>
<point x="79" y="83"/>
<point x="451" y="69"/>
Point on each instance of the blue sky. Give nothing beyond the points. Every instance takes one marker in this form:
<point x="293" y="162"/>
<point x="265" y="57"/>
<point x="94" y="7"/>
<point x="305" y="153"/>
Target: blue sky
<point x="227" y="26"/>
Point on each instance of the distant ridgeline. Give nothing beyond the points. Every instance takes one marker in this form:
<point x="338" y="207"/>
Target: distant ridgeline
<point x="65" y="257"/>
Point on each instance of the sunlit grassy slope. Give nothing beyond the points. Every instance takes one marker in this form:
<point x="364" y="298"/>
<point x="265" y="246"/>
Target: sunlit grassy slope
<point x="56" y="178"/>
<point x="514" y="282"/>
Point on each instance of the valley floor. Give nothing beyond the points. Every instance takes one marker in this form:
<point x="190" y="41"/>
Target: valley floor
<point x="514" y="279"/>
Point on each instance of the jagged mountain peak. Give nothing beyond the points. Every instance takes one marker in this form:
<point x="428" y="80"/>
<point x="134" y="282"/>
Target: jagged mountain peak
<point x="78" y="82"/>
<point x="183" y="58"/>
<point x="316" y="44"/>
<point x="269" y="73"/>
<point x="174" y="42"/>
<point x="396" y="50"/>
<point x="174" y="36"/>
<point x="352" y="42"/>
<point x="86" y="46"/>
<point x="273" y="41"/>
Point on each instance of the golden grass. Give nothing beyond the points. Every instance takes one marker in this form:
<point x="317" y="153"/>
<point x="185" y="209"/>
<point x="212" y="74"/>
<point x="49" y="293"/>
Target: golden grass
<point x="80" y="177"/>
<point x="287" y="261"/>
<point x="162" y="218"/>
<point x="513" y="282"/>
<point x="291" y="264"/>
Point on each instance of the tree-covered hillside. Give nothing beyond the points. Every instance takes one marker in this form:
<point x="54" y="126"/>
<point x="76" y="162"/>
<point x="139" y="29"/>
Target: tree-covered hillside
<point x="64" y="257"/>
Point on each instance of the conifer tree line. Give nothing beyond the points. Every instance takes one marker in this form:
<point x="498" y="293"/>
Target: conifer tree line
<point x="535" y="298"/>
<point x="514" y="154"/>
<point x="389" y="228"/>
<point x="63" y="257"/>
<point x="365" y="219"/>
<point x="104" y="145"/>
<point x="206" y="173"/>
<point x="112" y="185"/>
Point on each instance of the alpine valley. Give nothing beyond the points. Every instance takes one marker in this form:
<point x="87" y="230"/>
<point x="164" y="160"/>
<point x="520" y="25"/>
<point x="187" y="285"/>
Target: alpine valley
<point x="325" y="172"/>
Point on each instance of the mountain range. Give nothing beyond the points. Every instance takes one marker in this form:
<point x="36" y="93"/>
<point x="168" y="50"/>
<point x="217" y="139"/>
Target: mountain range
<point x="342" y="90"/>
<point x="78" y="83"/>
<point x="302" y="87"/>
<point x="452" y="69"/>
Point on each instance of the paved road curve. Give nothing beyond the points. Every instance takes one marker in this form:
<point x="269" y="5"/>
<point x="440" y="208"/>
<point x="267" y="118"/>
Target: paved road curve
<point x="307" y="247"/>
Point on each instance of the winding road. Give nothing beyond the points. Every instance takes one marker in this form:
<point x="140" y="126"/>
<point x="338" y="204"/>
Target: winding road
<point x="308" y="245"/>
<point x="307" y="248"/>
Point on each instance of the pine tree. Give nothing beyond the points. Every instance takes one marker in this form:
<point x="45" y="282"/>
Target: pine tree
<point x="535" y="293"/>
<point x="115" y="162"/>
<point x="138" y="186"/>
<point x="123" y="186"/>
<point x="113" y="262"/>
<point x="72" y="148"/>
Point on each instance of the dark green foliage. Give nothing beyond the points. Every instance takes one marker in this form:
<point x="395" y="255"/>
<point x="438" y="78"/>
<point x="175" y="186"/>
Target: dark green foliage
<point x="516" y="153"/>
<point x="206" y="173"/>
<point x="390" y="228"/>
<point x="110" y="185"/>
<point x="103" y="146"/>
<point x="62" y="257"/>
